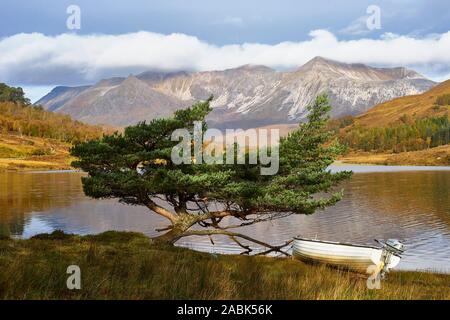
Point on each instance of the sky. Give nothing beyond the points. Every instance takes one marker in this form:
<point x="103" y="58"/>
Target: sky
<point x="38" y="51"/>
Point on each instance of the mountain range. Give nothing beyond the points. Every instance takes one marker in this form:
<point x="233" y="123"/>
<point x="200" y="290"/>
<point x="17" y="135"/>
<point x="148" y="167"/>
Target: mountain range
<point x="244" y="97"/>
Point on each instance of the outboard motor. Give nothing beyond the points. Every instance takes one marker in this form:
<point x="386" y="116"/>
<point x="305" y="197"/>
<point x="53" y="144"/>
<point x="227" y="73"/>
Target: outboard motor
<point x="395" y="246"/>
<point x="391" y="247"/>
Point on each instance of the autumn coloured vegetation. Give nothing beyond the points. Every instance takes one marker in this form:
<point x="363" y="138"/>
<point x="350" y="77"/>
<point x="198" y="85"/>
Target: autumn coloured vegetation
<point x="33" y="138"/>
<point x="29" y="120"/>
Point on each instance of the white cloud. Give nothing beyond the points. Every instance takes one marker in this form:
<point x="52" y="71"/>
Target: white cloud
<point x="37" y="59"/>
<point x="357" y="27"/>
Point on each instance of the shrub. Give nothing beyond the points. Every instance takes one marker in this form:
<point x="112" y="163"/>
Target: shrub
<point x="42" y="152"/>
<point x="443" y="100"/>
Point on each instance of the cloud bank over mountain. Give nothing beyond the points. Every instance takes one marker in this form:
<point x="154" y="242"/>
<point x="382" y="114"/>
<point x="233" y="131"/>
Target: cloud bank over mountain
<point x="69" y="59"/>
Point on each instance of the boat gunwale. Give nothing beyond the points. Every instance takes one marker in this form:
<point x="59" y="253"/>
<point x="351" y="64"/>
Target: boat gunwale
<point x="339" y="243"/>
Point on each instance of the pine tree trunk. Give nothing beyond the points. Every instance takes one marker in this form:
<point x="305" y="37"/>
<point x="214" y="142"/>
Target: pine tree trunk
<point x="169" y="238"/>
<point x="183" y="223"/>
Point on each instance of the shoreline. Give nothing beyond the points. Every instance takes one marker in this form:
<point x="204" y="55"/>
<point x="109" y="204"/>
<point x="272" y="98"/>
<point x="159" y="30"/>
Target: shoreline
<point x="433" y="157"/>
<point x="342" y="162"/>
<point x="215" y="253"/>
<point x="438" y="156"/>
<point x="381" y="168"/>
<point x="193" y="249"/>
<point x="35" y="164"/>
<point x="125" y="265"/>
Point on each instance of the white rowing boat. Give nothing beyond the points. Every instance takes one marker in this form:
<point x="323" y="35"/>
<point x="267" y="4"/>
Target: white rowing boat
<point x="360" y="258"/>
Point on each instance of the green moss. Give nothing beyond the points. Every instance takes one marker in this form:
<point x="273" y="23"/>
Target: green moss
<point x="55" y="235"/>
<point x="116" y="237"/>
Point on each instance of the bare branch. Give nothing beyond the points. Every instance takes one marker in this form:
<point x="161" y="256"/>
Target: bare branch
<point x="278" y="249"/>
<point x="230" y="234"/>
<point x="164" y="229"/>
<point x="248" y="222"/>
<point x="247" y="248"/>
<point x="221" y="214"/>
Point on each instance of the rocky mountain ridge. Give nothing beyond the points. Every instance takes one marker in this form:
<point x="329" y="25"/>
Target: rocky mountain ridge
<point x="244" y="97"/>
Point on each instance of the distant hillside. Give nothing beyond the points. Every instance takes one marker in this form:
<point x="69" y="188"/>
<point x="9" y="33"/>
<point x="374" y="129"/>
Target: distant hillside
<point x="431" y="103"/>
<point x="37" y="122"/>
<point x="31" y="137"/>
<point x="409" y="123"/>
<point x="245" y="97"/>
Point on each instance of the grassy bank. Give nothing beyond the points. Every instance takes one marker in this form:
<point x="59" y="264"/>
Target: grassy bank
<point x="127" y="266"/>
<point x="439" y="156"/>
<point x="33" y="153"/>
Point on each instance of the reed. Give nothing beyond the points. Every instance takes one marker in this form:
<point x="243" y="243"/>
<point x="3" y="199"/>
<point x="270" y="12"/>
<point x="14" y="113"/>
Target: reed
<point x="118" y="265"/>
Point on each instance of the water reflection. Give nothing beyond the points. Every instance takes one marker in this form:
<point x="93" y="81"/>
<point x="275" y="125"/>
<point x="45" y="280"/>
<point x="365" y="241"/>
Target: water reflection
<point x="412" y="206"/>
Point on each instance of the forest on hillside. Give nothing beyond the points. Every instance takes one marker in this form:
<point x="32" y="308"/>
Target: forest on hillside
<point x="400" y="132"/>
<point x="18" y="116"/>
<point x="408" y="135"/>
<point x="36" y="122"/>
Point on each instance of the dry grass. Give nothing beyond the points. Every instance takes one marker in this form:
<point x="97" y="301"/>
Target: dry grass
<point x="117" y="265"/>
<point x="439" y="156"/>
<point x="32" y="153"/>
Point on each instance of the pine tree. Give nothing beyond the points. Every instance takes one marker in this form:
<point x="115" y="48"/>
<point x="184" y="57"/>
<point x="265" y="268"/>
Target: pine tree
<point x="136" y="168"/>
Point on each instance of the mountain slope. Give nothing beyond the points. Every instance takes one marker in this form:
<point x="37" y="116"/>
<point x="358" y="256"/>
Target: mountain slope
<point x="414" y="106"/>
<point x="407" y="124"/>
<point x="248" y="96"/>
<point x="59" y="96"/>
<point x="37" y="139"/>
<point x="126" y="103"/>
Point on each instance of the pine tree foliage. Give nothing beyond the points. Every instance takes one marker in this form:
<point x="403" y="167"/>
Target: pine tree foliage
<point x="136" y="168"/>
